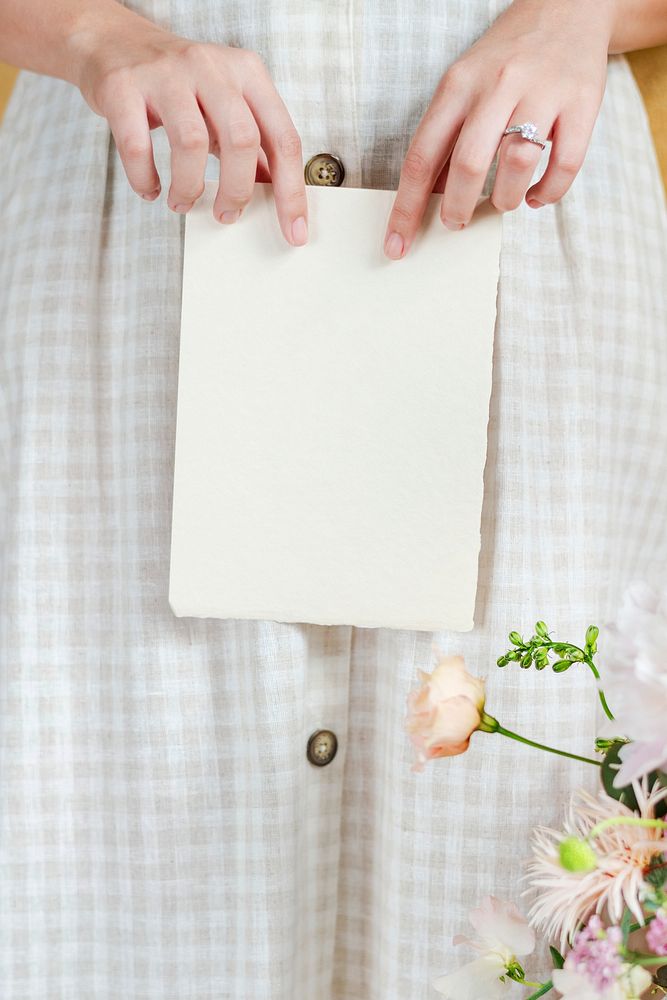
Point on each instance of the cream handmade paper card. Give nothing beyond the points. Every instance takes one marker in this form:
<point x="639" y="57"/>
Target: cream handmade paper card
<point x="332" y="416"/>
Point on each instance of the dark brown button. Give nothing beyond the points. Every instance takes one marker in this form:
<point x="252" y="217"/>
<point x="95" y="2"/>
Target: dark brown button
<point x="322" y="747"/>
<point x="325" y="170"/>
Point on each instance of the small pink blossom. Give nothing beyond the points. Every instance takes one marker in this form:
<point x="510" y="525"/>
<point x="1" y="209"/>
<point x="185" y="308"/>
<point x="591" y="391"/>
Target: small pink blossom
<point x="656" y="937"/>
<point x="596" y="954"/>
<point x="631" y="984"/>
<point x="595" y="969"/>
<point x="445" y="711"/>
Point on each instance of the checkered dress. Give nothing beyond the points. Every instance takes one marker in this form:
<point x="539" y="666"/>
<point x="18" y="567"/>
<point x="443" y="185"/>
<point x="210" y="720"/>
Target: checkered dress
<point x="163" y="835"/>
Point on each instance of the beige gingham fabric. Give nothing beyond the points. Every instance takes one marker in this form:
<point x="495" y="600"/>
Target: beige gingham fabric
<point x="162" y="833"/>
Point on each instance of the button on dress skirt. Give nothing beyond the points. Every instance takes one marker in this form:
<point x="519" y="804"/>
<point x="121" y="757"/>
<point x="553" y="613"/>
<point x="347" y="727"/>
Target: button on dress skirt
<point x="168" y="828"/>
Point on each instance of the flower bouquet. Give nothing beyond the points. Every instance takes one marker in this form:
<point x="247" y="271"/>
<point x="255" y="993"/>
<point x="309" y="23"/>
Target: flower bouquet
<point x="598" y="885"/>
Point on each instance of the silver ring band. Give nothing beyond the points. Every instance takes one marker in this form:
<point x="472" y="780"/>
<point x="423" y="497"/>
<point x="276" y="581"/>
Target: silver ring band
<point x="527" y="131"/>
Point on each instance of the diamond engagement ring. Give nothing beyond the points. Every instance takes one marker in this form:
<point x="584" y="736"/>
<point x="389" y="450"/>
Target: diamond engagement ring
<point x="527" y="131"/>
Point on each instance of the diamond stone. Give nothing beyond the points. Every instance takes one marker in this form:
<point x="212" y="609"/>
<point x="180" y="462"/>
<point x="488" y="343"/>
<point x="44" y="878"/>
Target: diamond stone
<point x="529" y="131"/>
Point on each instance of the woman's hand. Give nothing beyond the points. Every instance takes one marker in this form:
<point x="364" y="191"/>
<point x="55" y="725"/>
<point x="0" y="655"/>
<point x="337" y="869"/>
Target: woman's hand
<point x="542" y="61"/>
<point x="209" y="98"/>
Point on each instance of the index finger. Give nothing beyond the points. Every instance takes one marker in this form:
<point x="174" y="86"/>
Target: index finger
<point x="429" y="150"/>
<point x="282" y="144"/>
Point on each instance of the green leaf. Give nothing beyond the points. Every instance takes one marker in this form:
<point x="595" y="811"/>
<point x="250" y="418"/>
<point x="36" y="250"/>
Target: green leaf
<point x="561" y="665"/>
<point x="556" y="957"/>
<point x="541" y="629"/>
<point x="515" y="639"/>
<point x="626" y="923"/>
<point x="626" y="795"/>
<point x="657" y="873"/>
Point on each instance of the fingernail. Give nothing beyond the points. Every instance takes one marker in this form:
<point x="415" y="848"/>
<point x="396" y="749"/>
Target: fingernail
<point x="394" y="246"/>
<point x="454" y="226"/>
<point x="299" y="231"/>
<point x="534" y="203"/>
<point x="230" y="216"/>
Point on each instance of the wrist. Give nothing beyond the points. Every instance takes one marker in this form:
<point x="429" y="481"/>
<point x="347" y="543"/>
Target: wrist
<point x="97" y="34"/>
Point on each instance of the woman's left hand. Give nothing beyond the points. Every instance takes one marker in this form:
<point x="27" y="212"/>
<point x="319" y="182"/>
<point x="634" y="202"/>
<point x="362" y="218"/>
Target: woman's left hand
<point x="541" y="61"/>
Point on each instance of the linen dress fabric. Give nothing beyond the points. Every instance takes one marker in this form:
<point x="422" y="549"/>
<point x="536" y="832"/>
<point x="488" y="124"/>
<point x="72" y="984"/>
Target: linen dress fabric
<point x="163" y="835"/>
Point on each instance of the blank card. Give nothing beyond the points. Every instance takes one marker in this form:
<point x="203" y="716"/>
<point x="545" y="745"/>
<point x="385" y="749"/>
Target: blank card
<point x="332" y="416"/>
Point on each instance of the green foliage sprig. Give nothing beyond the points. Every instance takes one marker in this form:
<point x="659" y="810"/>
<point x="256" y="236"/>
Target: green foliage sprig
<point x="540" y="651"/>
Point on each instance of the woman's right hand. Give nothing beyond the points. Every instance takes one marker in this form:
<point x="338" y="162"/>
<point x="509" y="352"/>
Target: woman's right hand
<point x="209" y="98"/>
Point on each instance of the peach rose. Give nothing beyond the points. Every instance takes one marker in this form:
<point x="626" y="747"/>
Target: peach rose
<point x="445" y="711"/>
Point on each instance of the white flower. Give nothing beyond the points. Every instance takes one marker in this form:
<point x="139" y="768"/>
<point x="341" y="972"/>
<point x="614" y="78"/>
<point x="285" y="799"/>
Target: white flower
<point x="630" y="985"/>
<point x="635" y="680"/>
<point x="564" y="898"/>
<point x="503" y="935"/>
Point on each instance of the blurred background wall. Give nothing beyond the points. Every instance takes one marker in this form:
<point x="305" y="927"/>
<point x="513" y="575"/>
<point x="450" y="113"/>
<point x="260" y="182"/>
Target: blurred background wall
<point x="649" y="66"/>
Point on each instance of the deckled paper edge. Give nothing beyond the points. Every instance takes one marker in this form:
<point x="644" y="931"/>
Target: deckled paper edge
<point x="179" y="606"/>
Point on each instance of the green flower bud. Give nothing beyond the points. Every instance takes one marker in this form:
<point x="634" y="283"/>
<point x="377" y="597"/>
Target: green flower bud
<point x="515" y="639"/>
<point x="541" y="659"/>
<point x="526" y="660"/>
<point x="603" y="744"/>
<point x="541" y="629"/>
<point x="561" y="665"/>
<point x="502" y="661"/>
<point x="516" y="972"/>
<point x="577" y="855"/>
<point x="575" y="654"/>
<point x="592" y="633"/>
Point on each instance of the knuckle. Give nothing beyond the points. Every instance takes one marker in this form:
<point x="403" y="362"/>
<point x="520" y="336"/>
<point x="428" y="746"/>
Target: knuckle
<point x="567" y="163"/>
<point x="403" y="214"/>
<point x="507" y="74"/>
<point x="187" y="193"/>
<point x="252" y="61"/>
<point x="454" y="215"/>
<point x="416" y="167"/>
<point x="289" y="144"/>
<point x="237" y="196"/>
<point x="195" y="52"/>
<point x="469" y="164"/>
<point x="295" y="196"/>
<point x="243" y="135"/>
<point x="504" y="203"/>
<point x="456" y="79"/>
<point x="519" y="155"/>
<point x="132" y="147"/>
<point x="191" y="136"/>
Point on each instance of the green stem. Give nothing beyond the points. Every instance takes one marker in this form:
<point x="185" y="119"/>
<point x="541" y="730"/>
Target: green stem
<point x="540" y="993"/>
<point x="651" y="824"/>
<point x="540" y="746"/>
<point x="637" y="958"/>
<point x="596" y="674"/>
